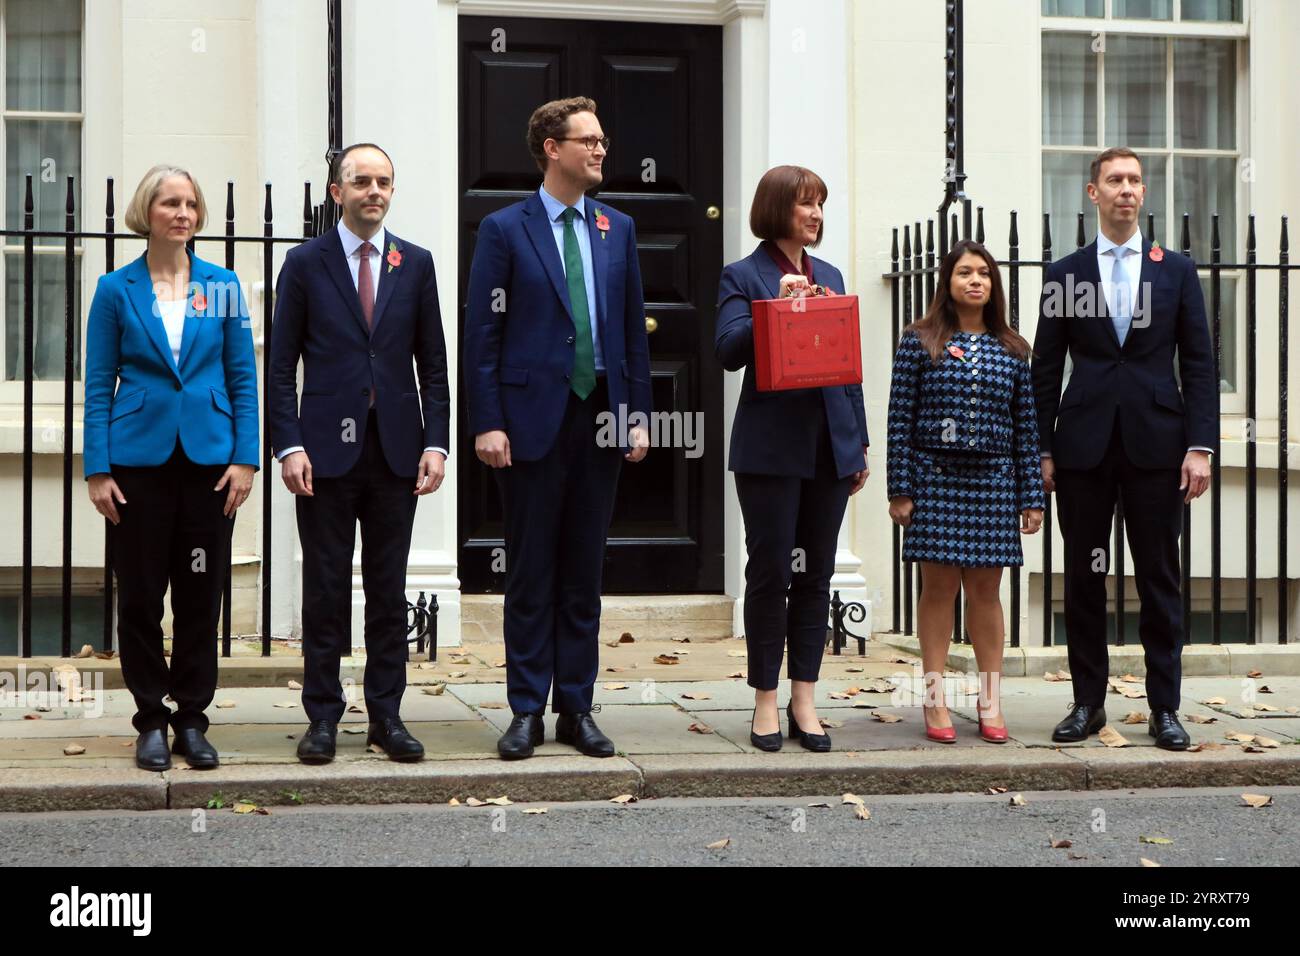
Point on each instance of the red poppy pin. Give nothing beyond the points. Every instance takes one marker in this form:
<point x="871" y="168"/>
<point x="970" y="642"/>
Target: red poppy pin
<point x="957" y="352"/>
<point x="1156" y="253"/>
<point x="394" y="257"/>
<point x="602" y="223"/>
<point x="199" y="302"/>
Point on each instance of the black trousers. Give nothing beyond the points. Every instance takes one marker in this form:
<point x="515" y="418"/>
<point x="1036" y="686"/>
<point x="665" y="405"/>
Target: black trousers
<point x="384" y="504"/>
<point x="557" y="514"/>
<point x="1153" y="519"/>
<point x="172" y="531"/>
<point x="791" y="529"/>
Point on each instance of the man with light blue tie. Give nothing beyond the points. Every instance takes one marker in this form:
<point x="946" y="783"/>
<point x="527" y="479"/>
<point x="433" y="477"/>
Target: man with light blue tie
<point x="555" y="341"/>
<point x="1124" y="309"/>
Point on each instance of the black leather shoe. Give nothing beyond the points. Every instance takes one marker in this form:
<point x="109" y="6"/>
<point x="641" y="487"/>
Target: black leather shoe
<point x="199" y="754"/>
<point x="1083" y="719"/>
<point x="317" y="744"/>
<point x="525" y="732"/>
<point x="151" y="751"/>
<point x="768" y="742"/>
<point x="817" y="743"/>
<point x="581" y="731"/>
<point x="1163" y="725"/>
<point x="391" y="734"/>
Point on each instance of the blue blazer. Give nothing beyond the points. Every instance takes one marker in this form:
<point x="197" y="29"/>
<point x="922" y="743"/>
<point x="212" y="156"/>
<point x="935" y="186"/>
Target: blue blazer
<point x="1135" y="381"/>
<point x="771" y="434"/>
<point x="207" y="401"/>
<point x="518" y="358"/>
<point x="318" y="319"/>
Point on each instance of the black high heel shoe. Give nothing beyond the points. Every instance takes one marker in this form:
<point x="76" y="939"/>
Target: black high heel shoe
<point x="768" y="742"/>
<point x="818" y="743"/>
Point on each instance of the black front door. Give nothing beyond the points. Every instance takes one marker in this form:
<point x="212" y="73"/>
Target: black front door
<point x="658" y="90"/>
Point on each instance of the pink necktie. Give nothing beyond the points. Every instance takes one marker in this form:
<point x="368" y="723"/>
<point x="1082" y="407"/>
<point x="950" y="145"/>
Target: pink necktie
<point x="366" y="285"/>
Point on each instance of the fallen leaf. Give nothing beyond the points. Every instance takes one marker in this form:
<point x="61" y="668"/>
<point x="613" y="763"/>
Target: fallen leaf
<point x="623" y="798"/>
<point x="1293" y="710"/>
<point x="500" y="801"/>
<point x="1249" y="673"/>
<point x="626" y="638"/>
<point x="1214" y="701"/>
<point x="878" y="685"/>
<point x="375" y="749"/>
<point x="854" y="670"/>
<point x="224" y="704"/>
<point x="1132" y="693"/>
<point x="73" y="750"/>
<point x="1265" y="689"/>
<point x="106" y="655"/>
<point x="1075" y="856"/>
<point x="459" y="659"/>
<point x="994" y="791"/>
<point x="1257" y="801"/>
<point x="1252" y="749"/>
<point x="1017" y="801"/>
<point x="285" y="704"/>
<point x="832" y="724"/>
<point x="1062" y="844"/>
<point x="128" y="743"/>
<point x="697" y="695"/>
<point x="1246" y="712"/>
<point x="244" y="807"/>
<point x="735" y="674"/>
<point x="1145" y="862"/>
<point x="435" y="691"/>
<point x="503" y="664"/>
<point x="1239" y="737"/>
<point x="698" y="728"/>
<point x="1111" y="737"/>
<point x="354" y="709"/>
<point x="492" y="706"/>
<point x="612" y="686"/>
<point x="86" y="651"/>
<point x="836" y="695"/>
<point x="354" y="730"/>
<point x="533" y="810"/>
<point x="863" y="705"/>
<point x="862" y="813"/>
<point x="819" y="806"/>
<point x="851" y="798"/>
<point x="666" y="659"/>
<point x="456" y="674"/>
<point x="887" y="718"/>
<point x="737" y="653"/>
<point x="615" y="670"/>
<point x="1268" y="742"/>
<point x="294" y="685"/>
<point x="681" y="640"/>
<point x="453" y="802"/>
<point x="1199" y="719"/>
<point x="31" y="716"/>
<point x="1266" y="708"/>
<point x="719" y="844"/>
<point x="1053" y="676"/>
<point x="1131" y="679"/>
<point x="474" y="802"/>
<point x="1135" y="717"/>
<point x="1208" y="745"/>
<point x="1159" y="841"/>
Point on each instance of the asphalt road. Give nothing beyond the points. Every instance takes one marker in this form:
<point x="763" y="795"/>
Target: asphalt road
<point x="1209" y="828"/>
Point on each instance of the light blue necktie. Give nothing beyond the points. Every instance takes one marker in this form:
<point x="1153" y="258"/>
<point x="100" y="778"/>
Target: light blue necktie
<point x="1121" y="315"/>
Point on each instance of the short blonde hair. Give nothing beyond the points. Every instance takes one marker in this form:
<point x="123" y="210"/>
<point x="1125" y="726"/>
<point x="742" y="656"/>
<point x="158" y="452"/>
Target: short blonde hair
<point x="137" y="211"/>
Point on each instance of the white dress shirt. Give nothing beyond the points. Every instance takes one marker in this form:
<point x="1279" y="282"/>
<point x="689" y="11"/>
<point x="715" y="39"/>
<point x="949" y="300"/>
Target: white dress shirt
<point x="173" y="319"/>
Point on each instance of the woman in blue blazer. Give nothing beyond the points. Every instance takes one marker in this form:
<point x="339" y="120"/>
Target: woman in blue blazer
<point x="797" y="456"/>
<point x="963" y="470"/>
<point x="171" y="445"/>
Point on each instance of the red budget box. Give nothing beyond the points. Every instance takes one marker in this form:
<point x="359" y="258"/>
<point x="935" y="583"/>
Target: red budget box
<point x="808" y="342"/>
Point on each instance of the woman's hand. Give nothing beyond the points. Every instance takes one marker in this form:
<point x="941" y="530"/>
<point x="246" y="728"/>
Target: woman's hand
<point x="105" y="495"/>
<point x="1031" y="519"/>
<point x="860" y="477"/>
<point x="240" y="480"/>
<point x="794" y="285"/>
<point x="900" y="510"/>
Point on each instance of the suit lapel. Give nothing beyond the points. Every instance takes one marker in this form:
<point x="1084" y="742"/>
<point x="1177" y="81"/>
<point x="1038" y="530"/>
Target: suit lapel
<point x="336" y="265"/>
<point x="139" y="290"/>
<point x="768" y="271"/>
<point x="199" y="282"/>
<point x="538" y="228"/>
<point x="389" y="276"/>
<point x="1150" y="275"/>
<point x="1089" y="273"/>
<point x="599" y="261"/>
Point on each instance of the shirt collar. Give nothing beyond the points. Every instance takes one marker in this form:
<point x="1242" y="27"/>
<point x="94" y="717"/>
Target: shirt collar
<point x="351" y="241"/>
<point x="555" y="208"/>
<point x="1134" y="243"/>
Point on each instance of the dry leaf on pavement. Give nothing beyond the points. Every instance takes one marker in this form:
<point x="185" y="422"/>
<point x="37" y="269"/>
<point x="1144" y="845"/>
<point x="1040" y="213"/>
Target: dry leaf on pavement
<point x="1254" y="673"/>
<point x="474" y="802"/>
<point x="1131" y="679"/>
<point x="493" y="706"/>
<point x="294" y="685"/>
<point x="453" y="802"/>
<point x="1135" y="717"/>
<point x="994" y="791"/>
<point x="666" y="659"/>
<point x="1268" y="742"/>
<point x="1199" y="719"/>
<point x="626" y="638"/>
<point x="737" y="653"/>
<point x="623" y="798"/>
<point x="1062" y="844"/>
<point x="851" y="798"/>
<point x="719" y="844"/>
<point x="434" y="691"/>
<point x="861" y="812"/>
<point x="1111" y="737"/>
<point x="1208" y="745"/>
<point x="735" y="674"/>
<point x="887" y="718"/>
<point x="698" y="728"/>
<point x="532" y="810"/>
<point x="224" y="704"/>
<point x="500" y="801"/>
<point x="698" y="695"/>
<point x="73" y="750"/>
<point x="613" y="686"/>
<point x="284" y="704"/>
<point x="1159" y="841"/>
<point x="1017" y="801"/>
<point x="1146" y="862"/>
<point x="1239" y="737"/>
<point x="1257" y="801"/>
<point x="1214" y="701"/>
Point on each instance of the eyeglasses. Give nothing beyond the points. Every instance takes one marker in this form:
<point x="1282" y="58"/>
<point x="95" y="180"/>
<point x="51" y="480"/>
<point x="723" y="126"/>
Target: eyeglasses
<point x="588" y="141"/>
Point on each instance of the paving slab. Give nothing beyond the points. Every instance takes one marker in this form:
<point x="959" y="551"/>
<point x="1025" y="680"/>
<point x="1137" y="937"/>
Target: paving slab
<point x="53" y="789"/>
<point x="860" y="731"/>
<point x="1133" y="768"/>
<point x="636" y="729"/>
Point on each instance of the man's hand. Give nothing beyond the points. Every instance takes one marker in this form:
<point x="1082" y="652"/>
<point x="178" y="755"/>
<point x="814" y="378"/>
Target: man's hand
<point x="432" y="467"/>
<point x="1031" y="519"/>
<point x="1195" y="474"/>
<point x="639" y="440"/>
<point x="900" y="510"/>
<point x="240" y="480"/>
<point x="493" y="449"/>
<point x="106" y="496"/>
<point x="295" y="472"/>
<point x="860" y="477"/>
<point x="1049" y="476"/>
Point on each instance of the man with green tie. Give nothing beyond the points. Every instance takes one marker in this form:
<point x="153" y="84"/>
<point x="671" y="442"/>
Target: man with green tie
<point x="554" y="337"/>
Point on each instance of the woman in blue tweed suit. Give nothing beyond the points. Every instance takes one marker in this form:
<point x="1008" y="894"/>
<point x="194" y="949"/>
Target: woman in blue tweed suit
<point x="171" y="444"/>
<point x="963" y="470"/>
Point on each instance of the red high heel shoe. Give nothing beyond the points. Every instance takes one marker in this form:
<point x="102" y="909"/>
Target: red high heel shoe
<point x="940" y="735"/>
<point x="994" y="735"/>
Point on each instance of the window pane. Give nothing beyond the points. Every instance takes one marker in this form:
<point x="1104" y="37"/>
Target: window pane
<point x="1204" y="186"/>
<point x="1205" y="94"/>
<point x="1072" y="8"/>
<point x="43" y="55"/>
<point x="1135" y="91"/>
<point x="50" y="150"/>
<point x="48" y="311"/>
<point x="1065" y="195"/>
<point x="1153" y="202"/>
<point x="1069" y="90"/>
<point x="1225" y="10"/>
<point x="1143" y="9"/>
<point x="1227" y="327"/>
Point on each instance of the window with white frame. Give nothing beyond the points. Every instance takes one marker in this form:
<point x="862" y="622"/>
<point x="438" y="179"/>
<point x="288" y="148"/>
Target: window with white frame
<point x="42" y="63"/>
<point x="1168" y="79"/>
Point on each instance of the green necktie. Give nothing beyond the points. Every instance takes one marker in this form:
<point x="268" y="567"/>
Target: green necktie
<point x="584" y="362"/>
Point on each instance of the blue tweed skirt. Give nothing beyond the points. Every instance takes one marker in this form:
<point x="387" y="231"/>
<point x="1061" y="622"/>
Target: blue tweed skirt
<point x="964" y="511"/>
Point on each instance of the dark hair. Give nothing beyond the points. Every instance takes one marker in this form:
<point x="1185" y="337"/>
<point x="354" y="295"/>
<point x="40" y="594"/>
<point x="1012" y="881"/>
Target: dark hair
<point x="551" y="121"/>
<point x="772" y="211"/>
<point x="1115" y="152"/>
<point x="939" y="323"/>
<point x="336" y="171"/>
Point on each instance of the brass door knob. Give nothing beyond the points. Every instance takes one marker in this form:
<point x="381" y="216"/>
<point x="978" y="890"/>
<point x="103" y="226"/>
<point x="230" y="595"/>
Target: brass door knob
<point x="651" y="324"/>
<point x="713" y="212"/>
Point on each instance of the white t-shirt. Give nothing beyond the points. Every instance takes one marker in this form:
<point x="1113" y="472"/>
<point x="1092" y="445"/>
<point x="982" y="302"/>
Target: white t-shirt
<point x="173" y="316"/>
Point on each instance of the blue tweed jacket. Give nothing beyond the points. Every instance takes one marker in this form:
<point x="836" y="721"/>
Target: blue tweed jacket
<point x="981" y="405"/>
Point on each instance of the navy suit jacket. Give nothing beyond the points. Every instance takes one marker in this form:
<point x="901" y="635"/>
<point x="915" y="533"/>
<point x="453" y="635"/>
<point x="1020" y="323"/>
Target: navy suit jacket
<point x="1136" y="381"/>
<point x="771" y="434"/>
<point x="207" y="401"/>
<point x="318" y="319"/>
<point x="519" y="332"/>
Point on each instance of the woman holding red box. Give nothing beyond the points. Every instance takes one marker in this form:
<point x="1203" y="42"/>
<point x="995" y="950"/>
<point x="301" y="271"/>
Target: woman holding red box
<point x="797" y="456"/>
